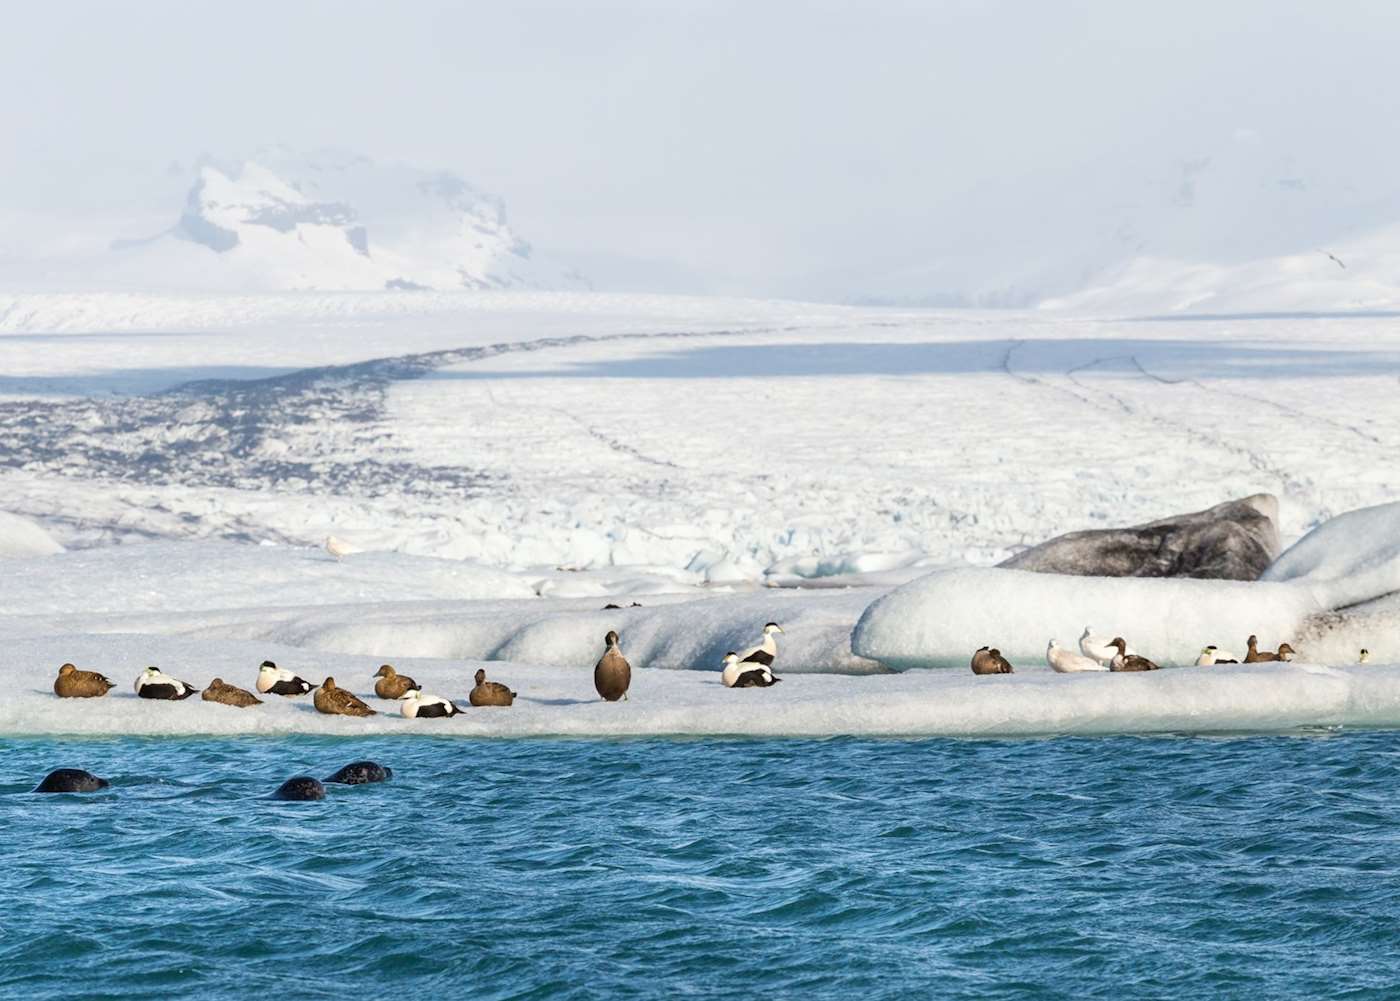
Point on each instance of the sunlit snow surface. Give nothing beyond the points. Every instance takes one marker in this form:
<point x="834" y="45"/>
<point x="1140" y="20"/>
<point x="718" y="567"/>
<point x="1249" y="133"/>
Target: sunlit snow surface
<point x="510" y="463"/>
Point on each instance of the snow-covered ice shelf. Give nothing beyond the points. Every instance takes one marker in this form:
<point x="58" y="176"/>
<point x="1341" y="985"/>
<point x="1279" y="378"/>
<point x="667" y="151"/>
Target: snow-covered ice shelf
<point x="561" y="701"/>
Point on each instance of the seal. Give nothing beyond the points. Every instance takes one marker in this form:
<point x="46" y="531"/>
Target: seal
<point x="300" y="789"/>
<point x="74" y="684"/>
<point x="392" y="685"/>
<point x="489" y="693"/>
<point x="229" y="695"/>
<point x="612" y="675"/>
<point x="358" y="773"/>
<point x="71" y="780"/>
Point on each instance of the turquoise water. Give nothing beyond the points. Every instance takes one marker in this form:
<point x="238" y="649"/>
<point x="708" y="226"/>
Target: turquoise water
<point x="1068" y="868"/>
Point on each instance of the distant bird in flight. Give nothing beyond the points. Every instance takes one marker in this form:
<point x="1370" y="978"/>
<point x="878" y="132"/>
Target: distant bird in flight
<point x="1334" y="258"/>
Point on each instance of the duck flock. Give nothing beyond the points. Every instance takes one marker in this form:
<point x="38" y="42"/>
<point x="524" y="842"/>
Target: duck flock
<point x="612" y="676"/>
<point x="1100" y="654"/>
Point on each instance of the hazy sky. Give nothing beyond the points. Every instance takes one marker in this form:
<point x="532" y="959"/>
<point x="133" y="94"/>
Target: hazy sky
<point x="795" y="148"/>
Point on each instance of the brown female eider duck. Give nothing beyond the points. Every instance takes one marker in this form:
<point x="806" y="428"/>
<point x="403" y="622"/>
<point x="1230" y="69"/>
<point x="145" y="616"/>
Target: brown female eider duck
<point x="392" y="685"/>
<point x="229" y="695"/>
<point x="335" y="701"/>
<point x="1124" y="661"/>
<point x="490" y="693"/>
<point x="74" y="684"/>
<point x="612" y="675"/>
<point x="990" y="661"/>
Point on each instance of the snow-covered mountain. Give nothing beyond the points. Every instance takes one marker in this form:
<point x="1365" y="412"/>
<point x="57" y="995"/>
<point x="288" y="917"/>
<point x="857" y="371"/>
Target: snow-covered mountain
<point x="280" y="220"/>
<point x="1244" y="225"/>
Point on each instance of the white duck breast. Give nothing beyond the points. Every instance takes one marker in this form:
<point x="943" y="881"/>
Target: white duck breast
<point x="1098" y="647"/>
<point x="1065" y="661"/>
<point x="1214" y="655"/>
<point x="738" y="674"/>
<point x="274" y="680"/>
<point x="152" y="683"/>
<point x="416" y="705"/>
<point x="766" y="651"/>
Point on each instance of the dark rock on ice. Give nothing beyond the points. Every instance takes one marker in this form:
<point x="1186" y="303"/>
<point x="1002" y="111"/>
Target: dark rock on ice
<point x="1236" y="540"/>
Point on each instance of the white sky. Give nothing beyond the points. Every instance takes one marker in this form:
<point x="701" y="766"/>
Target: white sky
<point x="790" y="148"/>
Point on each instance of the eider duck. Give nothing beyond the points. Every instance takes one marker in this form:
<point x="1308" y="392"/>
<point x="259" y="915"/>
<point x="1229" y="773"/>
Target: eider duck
<point x="1064" y="661"/>
<point x="392" y="685"/>
<point x="1212" y="655"/>
<point x="490" y="693"/>
<point x="1365" y="656"/>
<point x="1125" y="661"/>
<point x="338" y="702"/>
<point x="1257" y="656"/>
<point x="74" y="684"/>
<point x="1100" y="649"/>
<point x="153" y="684"/>
<point x="766" y="651"/>
<point x="738" y="674"/>
<point x="274" y="680"/>
<point x="990" y="661"/>
<point x="612" y="675"/>
<point x="338" y="547"/>
<point x="418" y="705"/>
<point x="229" y="695"/>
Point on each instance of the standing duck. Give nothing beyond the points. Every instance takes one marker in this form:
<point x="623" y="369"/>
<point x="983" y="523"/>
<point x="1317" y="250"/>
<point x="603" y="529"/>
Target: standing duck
<point x="489" y="693"/>
<point x="1124" y="661"/>
<point x="74" y="684"/>
<point x="612" y="675"/>
<point x="335" y="701"/>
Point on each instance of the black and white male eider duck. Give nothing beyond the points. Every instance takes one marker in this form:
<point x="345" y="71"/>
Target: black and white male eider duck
<point x="152" y="683"/>
<point x="490" y="693"/>
<point x="737" y="674"/>
<point x="1124" y="661"/>
<point x="274" y="680"/>
<point x="988" y="660"/>
<point x="418" y="705"/>
<point x="766" y="651"/>
<point x="392" y="685"/>
<point x="1365" y="657"/>
<point x="612" y="675"/>
<point x="1212" y="655"/>
<point x="74" y="684"/>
